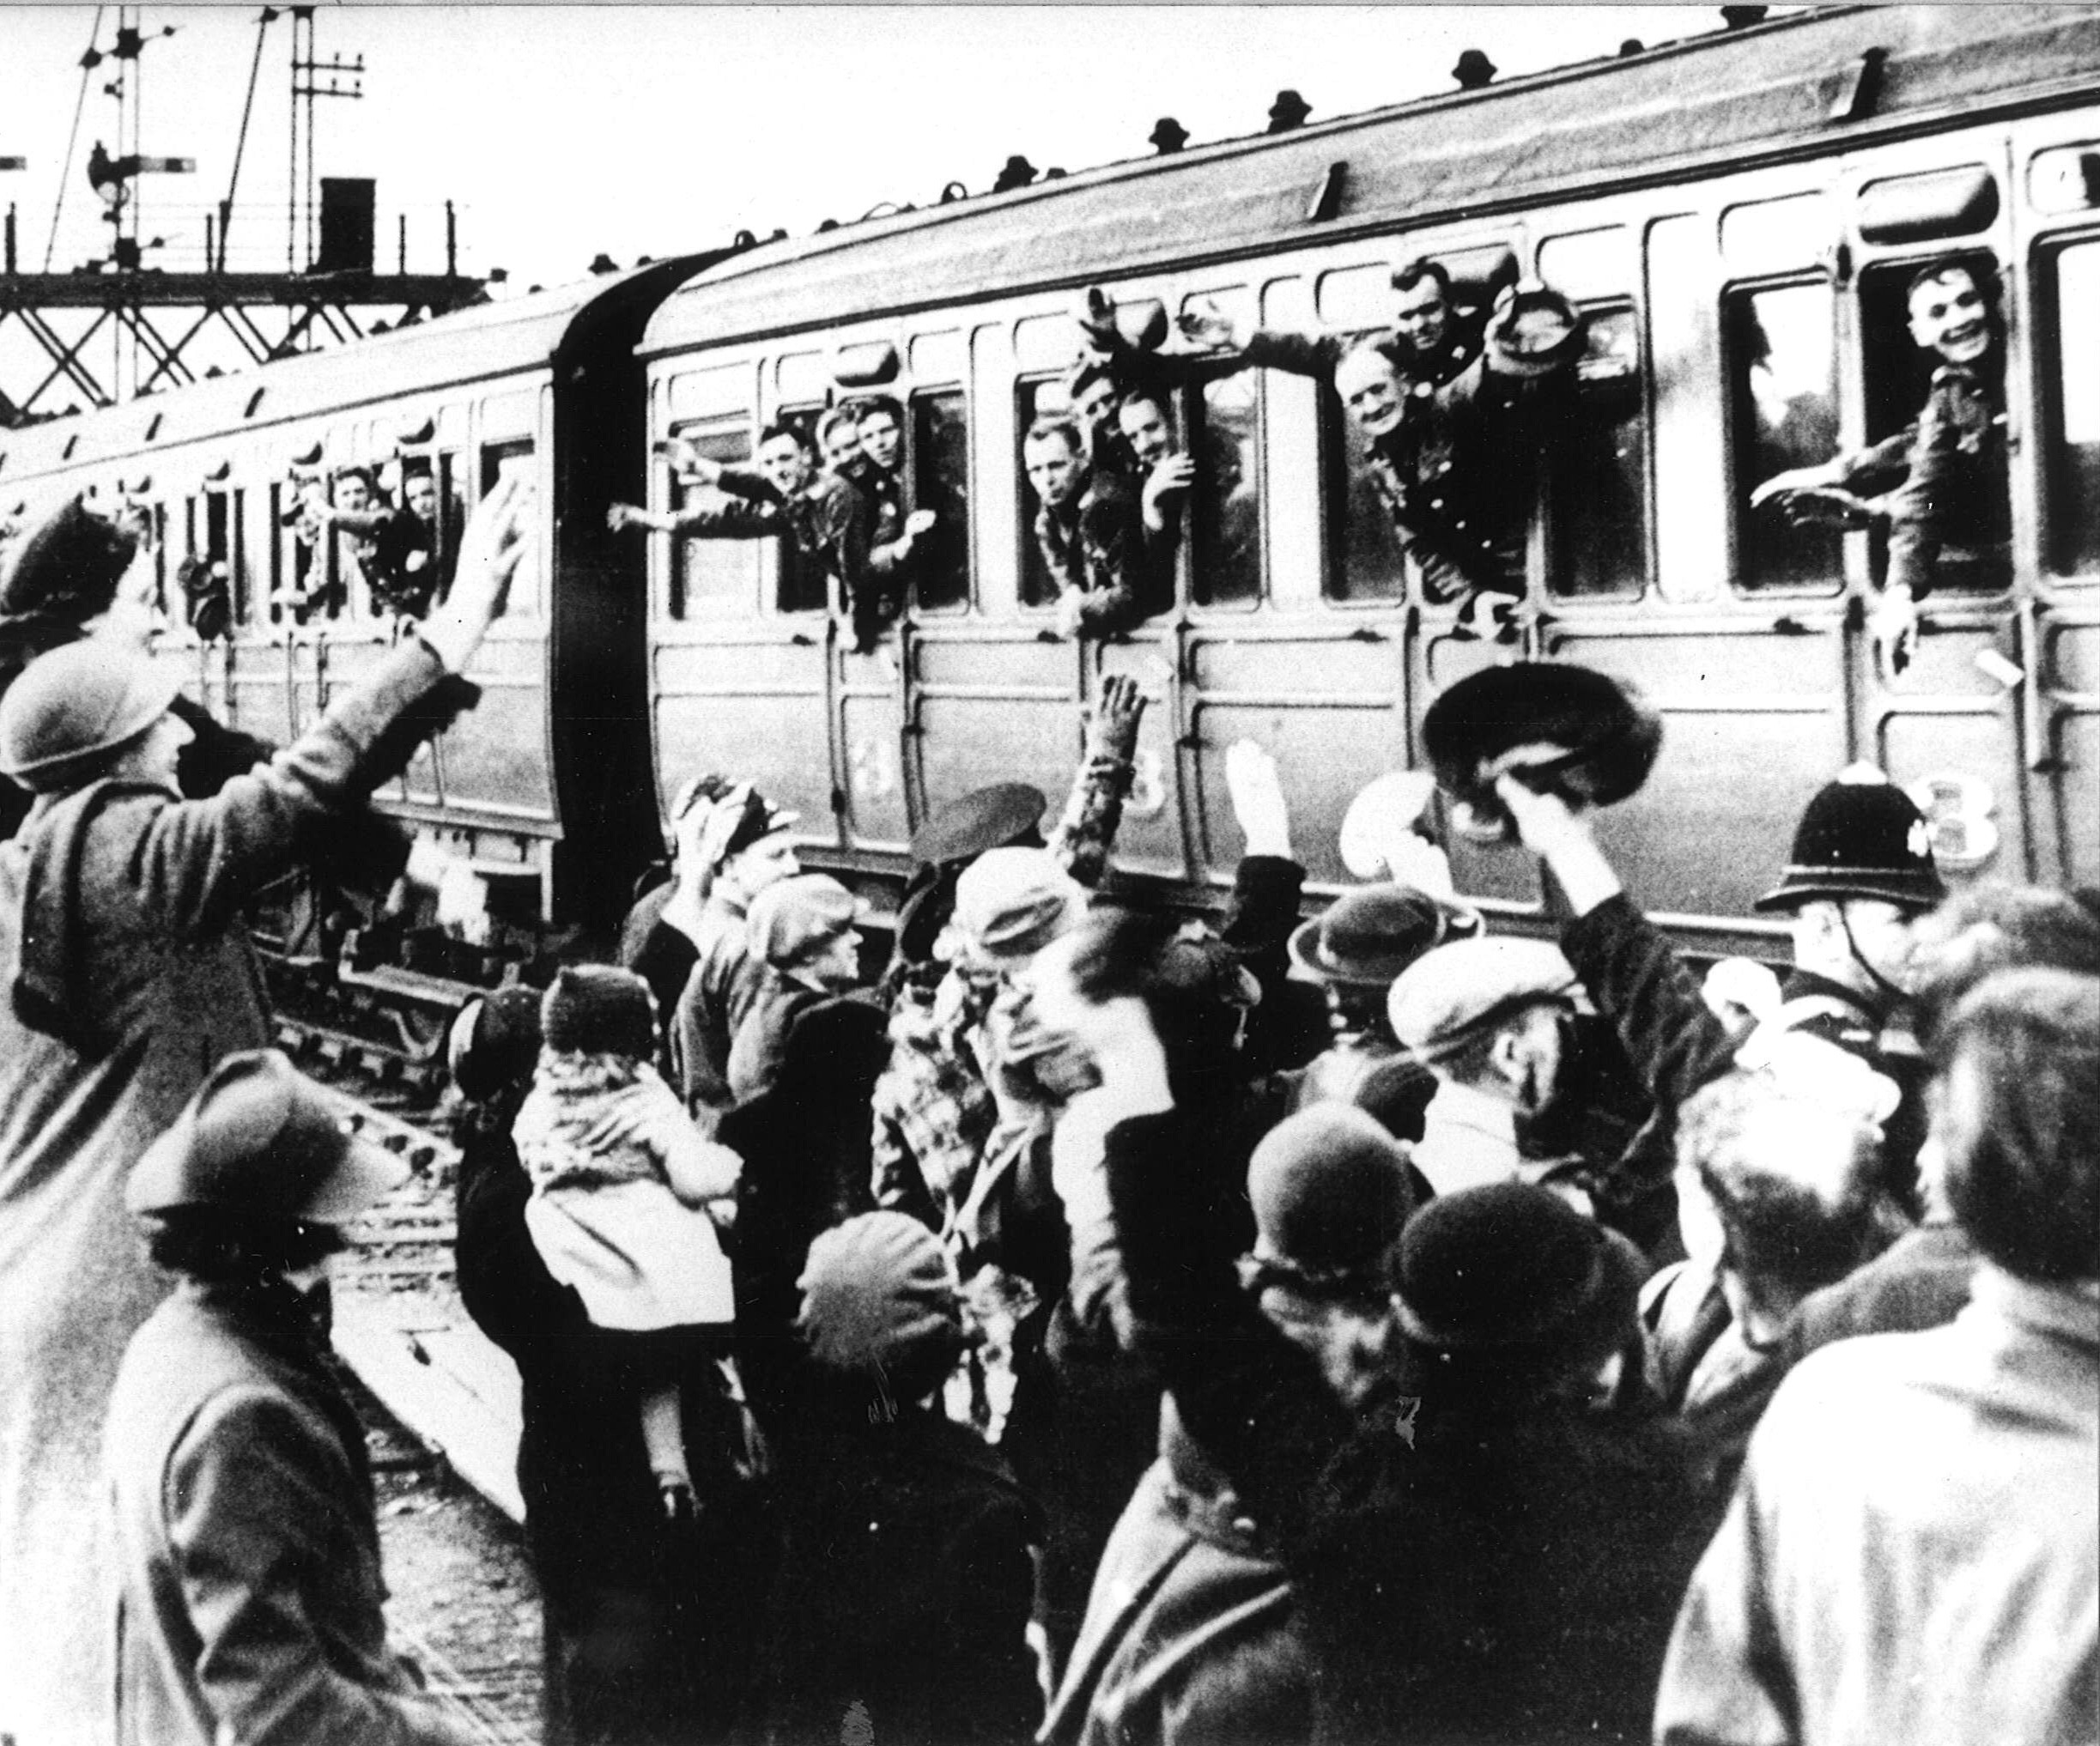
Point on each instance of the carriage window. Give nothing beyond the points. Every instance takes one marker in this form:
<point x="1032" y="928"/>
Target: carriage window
<point x="1600" y="480"/>
<point x="501" y="461"/>
<point x="1225" y="507"/>
<point x="803" y="585"/>
<point x="1969" y="508"/>
<point x="1364" y="557"/>
<point x="1782" y="379"/>
<point x="2074" y="450"/>
<point x="940" y="464"/>
<point x="1034" y="400"/>
<point x="712" y="575"/>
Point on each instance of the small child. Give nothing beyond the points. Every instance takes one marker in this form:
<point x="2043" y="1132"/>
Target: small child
<point x="622" y="1183"/>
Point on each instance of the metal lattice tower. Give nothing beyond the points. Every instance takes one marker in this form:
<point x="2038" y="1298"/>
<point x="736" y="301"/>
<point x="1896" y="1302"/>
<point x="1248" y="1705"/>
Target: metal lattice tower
<point x="119" y="325"/>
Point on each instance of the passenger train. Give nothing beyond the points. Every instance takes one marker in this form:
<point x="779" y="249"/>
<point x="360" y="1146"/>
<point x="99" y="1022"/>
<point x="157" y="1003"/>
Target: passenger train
<point x="1736" y="215"/>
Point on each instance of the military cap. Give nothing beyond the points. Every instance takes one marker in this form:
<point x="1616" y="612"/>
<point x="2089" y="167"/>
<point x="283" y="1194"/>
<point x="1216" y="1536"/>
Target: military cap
<point x="1860" y="837"/>
<point x="985" y="818"/>
<point x="75" y="704"/>
<point x="1330" y="1190"/>
<point x="64" y="570"/>
<point x="1451" y="997"/>
<point x="1578" y="733"/>
<point x="1367" y="937"/>
<point x="260" y="1138"/>
<point x="1511" y="1272"/>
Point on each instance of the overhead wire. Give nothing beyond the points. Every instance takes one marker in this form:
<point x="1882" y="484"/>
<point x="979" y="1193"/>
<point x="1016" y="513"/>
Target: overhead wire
<point x="88" y="61"/>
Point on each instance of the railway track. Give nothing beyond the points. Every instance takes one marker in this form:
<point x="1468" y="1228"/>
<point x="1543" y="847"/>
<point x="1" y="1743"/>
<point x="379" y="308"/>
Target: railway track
<point x="399" y="1323"/>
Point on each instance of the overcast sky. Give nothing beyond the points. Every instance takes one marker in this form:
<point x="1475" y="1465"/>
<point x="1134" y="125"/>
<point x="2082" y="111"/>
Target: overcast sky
<point x="561" y="132"/>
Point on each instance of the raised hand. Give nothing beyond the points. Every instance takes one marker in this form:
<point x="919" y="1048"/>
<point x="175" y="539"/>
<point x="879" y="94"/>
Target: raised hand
<point x="1258" y="801"/>
<point x="1205" y="325"/>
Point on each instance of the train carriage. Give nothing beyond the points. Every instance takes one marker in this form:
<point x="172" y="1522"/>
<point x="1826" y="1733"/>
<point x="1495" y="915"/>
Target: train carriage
<point x="544" y="786"/>
<point x="1737" y="215"/>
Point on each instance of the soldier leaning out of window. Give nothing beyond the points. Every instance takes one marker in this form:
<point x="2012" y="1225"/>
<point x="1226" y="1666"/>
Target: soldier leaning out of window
<point x="830" y="520"/>
<point x="1941" y="481"/>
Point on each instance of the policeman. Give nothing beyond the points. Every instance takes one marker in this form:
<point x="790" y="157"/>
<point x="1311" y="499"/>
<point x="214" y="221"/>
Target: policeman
<point x="1860" y="871"/>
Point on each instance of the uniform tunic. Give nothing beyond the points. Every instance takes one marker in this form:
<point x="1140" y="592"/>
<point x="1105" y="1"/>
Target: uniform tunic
<point x="119" y="925"/>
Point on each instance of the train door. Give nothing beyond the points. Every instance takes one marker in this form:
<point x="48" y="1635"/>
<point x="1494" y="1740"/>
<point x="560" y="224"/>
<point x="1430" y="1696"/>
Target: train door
<point x="1275" y="651"/>
<point x="736" y="680"/>
<point x="995" y="692"/>
<point x="1948" y="727"/>
<point x="2055" y="177"/>
<point x="938" y="466"/>
<point x="495" y="760"/>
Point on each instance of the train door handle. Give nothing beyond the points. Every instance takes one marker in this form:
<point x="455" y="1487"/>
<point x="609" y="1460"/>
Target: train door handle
<point x="1365" y="633"/>
<point x="802" y="639"/>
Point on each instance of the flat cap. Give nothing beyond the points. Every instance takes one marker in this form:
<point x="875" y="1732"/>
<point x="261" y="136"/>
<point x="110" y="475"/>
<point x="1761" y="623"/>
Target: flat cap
<point x="1455" y="994"/>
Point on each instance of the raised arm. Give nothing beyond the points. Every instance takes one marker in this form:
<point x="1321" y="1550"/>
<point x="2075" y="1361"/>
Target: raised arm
<point x="1085" y="831"/>
<point x="198" y="862"/>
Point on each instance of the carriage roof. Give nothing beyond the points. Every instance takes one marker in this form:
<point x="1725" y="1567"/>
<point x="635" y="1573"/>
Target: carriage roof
<point x="1741" y="96"/>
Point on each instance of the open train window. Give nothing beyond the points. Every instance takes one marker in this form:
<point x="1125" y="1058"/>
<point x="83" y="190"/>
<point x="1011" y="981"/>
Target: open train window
<point x="1039" y="399"/>
<point x="940" y="476"/>
<point x="1975" y="515"/>
<point x="1365" y="559"/>
<point x="803" y="585"/>
<point x="501" y="461"/>
<point x="2072" y="284"/>
<point x="711" y="576"/>
<point x="1599" y="475"/>
<point x="1224" y="511"/>
<point x="1782" y="360"/>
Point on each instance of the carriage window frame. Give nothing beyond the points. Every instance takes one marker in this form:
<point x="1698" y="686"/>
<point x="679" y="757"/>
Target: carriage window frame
<point x="1886" y="356"/>
<point x="1339" y="452"/>
<point x="921" y="395"/>
<point x="525" y="605"/>
<point x="1033" y="590"/>
<point x="1192" y="411"/>
<point x="1642" y="472"/>
<point x="791" y="568"/>
<point x="681" y="603"/>
<point x="1738" y="409"/>
<point x="2046" y="264"/>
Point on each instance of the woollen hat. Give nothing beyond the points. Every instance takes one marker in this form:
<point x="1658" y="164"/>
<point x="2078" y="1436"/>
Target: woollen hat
<point x="64" y="570"/>
<point x="71" y="706"/>
<point x="1579" y="734"/>
<point x="877" y="1297"/>
<point x="996" y="817"/>
<point x="1513" y="1274"/>
<point x="792" y="919"/>
<point x="598" y="1009"/>
<point x="1330" y="1191"/>
<point x="1367" y="937"/>
<point x="1011" y="903"/>
<point x="1862" y="836"/>
<point x="260" y="1138"/>
<point x="1450" y="996"/>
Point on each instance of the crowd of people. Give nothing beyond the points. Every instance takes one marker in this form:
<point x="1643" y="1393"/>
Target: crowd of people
<point x="1085" y="1322"/>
